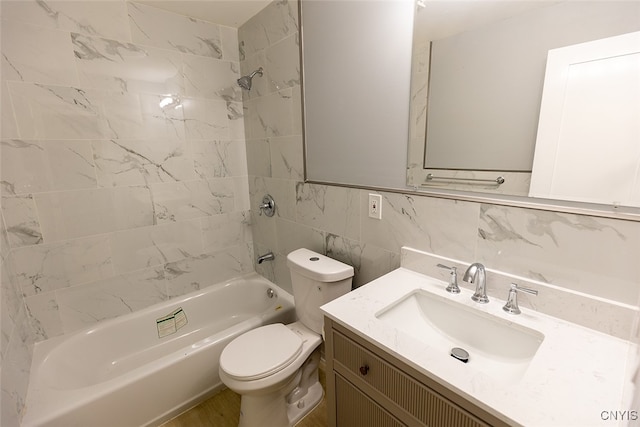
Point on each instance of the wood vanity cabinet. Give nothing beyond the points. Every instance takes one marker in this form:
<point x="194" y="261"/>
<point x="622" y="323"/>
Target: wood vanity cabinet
<point x="368" y="387"/>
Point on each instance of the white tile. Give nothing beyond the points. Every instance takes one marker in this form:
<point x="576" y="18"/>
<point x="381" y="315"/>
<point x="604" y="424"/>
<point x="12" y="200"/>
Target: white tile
<point x="192" y="199"/>
<point x="242" y="200"/>
<point x="229" y="40"/>
<point x="156" y="27"/>
<point x="275" y="22"/>
<point x="293" y="235"/>
<point x="270" y="115"/>
<point x="16" y="366"/>
<point x="44" y="315"/>
<point x="43" y="268"/>
<point x="297" y="113"/>
<point x="141" y="116"/>
<point x="199" y="272"/>
<point x="283" y="63"/>
<point x="30" y="166"/>
<point x="235" y="114"/>
<point x="442" y="226"/>
<point x="105" y="18"/>
<point x="156" y="245"/>
<point x="597" y="256"/>
<point x="21" y="218"/>
<point x="8" y="128"/>
<point x="211" y="78"/>
<point x="219" y="158"/>
<point x="84" y="305"/>
<point x="332" y="209"/>
<point x="11" y="302"/>
<point x="34" y="54"/>
<point x="56" y="112"/>
<point x="369" y="262"/>
<point x="119" y="66"/>
<point x="206" y="119"/>
<point x="141" y="162"/>
<point x="259" y="157"/>
<point x="72" y="214"/>
<point x="287" y="159"/>
<point x="226" y="230"/>
<point x="133" y="207"/>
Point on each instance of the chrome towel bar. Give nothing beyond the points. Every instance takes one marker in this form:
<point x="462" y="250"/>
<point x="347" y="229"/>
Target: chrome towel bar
<point x="498" y="181"/>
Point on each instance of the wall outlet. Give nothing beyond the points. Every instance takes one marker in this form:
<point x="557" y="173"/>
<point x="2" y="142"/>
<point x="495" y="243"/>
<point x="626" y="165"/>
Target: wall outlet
<point x="375" y="206"/>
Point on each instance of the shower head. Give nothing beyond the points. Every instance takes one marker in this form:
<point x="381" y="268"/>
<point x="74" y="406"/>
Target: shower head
<point x="245" y="81"/>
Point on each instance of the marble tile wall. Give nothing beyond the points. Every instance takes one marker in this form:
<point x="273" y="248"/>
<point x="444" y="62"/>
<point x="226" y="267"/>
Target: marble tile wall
<point x="123" y="167"/>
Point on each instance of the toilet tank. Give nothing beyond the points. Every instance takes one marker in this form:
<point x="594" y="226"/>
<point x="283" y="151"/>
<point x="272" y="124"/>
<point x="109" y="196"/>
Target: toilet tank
<point x="316" y="279"/>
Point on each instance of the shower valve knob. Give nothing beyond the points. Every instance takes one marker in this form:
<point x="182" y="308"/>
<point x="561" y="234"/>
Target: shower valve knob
<point x="268" y="206"/>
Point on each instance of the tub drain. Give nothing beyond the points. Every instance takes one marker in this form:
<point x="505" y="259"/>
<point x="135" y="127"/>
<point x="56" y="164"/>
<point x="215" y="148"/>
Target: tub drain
<point x="460" y="354"/>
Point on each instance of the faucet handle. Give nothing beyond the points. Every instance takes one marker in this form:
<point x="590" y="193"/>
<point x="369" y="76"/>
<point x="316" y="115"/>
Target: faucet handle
<point x="453" y="280"/>
<point x="511" y="306"/>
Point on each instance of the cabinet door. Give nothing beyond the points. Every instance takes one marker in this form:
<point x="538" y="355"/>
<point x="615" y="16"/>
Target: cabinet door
<point x="355" y="409"/>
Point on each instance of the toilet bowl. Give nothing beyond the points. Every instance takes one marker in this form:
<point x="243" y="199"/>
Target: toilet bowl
<point x="275" y="367"/>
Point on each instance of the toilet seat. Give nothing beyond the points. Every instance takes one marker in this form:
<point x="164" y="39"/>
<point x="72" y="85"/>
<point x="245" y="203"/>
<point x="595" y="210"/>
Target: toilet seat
<point x="260" y="352"/>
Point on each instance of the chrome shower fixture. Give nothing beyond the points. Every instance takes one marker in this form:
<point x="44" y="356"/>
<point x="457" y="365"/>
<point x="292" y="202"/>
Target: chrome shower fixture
<point x="245" y="81"/>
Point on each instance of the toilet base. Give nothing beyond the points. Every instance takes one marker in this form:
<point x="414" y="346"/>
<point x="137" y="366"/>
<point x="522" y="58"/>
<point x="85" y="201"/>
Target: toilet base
<point x="287" y="405"/>
<point x="297" y="410"/>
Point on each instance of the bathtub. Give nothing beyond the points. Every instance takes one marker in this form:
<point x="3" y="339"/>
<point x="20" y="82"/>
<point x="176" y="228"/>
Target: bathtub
<point x="121" y="373"/>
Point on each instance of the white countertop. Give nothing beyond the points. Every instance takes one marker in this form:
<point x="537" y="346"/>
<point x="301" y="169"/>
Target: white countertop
<point x="575" y="376"/>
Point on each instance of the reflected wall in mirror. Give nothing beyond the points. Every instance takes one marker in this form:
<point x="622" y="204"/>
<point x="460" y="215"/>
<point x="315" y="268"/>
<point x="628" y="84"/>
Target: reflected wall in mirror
<point x="477" y="78"/>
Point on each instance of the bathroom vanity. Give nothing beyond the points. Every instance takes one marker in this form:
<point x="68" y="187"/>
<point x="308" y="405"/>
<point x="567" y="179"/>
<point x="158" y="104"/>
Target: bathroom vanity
<point x="389" y="363"/>
<point x="370" y="387"/>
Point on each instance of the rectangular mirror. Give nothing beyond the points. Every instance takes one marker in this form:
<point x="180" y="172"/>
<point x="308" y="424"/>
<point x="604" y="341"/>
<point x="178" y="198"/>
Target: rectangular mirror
<point x="366" y="90"/>
<point x="356" y="68"/>
<point x="477" y="82"/>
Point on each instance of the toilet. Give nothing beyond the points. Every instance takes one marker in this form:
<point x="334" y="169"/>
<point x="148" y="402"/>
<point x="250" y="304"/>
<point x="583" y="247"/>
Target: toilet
<point x="275" y="367"/>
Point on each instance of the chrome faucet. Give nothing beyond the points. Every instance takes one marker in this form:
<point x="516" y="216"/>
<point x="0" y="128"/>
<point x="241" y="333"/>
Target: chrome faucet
<point x="266" y="257"/>
<point x="476" y="274"/>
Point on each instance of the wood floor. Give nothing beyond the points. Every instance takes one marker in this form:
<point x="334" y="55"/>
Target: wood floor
<point x="223" y="410"/>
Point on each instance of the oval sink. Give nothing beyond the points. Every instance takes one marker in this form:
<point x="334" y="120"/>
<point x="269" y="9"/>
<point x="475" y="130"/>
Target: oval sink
<point x="496" y="346"/>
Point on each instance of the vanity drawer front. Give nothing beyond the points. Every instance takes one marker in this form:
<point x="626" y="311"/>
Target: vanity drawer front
<point x="356" y="409"/>
<point x="418" y="400"/>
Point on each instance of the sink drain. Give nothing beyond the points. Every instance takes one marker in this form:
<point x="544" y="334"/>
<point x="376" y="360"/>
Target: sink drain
<point x="460" y="354"/>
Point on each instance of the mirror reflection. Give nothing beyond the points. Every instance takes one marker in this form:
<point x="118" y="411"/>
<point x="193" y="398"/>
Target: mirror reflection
<point x="477" y="83"/>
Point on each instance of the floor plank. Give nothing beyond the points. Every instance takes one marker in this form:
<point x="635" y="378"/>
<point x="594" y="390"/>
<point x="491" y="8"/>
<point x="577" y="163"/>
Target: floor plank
<point x="223" y="410"/>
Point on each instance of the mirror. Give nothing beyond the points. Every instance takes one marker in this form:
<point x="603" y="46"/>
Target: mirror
<point x="477" y="76"/>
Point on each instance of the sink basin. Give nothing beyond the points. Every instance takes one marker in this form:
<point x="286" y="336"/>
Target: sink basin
<point x="497" y="347"/>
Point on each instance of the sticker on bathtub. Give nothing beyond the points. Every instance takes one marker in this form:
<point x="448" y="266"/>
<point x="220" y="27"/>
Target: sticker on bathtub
<point x="170" y="323"/>
<point x="181" y="318"/>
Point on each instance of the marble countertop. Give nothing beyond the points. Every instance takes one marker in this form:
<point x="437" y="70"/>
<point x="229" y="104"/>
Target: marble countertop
<point x="577" y="377"/>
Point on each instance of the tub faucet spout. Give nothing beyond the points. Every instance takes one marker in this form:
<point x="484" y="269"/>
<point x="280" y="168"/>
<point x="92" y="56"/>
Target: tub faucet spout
<point x="266" y="257"/>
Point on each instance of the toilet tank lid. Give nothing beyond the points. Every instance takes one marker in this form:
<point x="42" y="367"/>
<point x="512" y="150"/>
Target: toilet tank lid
<point x="318" y="267"/>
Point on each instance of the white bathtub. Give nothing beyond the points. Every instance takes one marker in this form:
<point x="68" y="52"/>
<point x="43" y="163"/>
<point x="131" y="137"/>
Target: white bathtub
<point x="120" y="373"/>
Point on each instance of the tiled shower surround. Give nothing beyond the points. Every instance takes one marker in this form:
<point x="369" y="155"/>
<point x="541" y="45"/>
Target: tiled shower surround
<point x="124" y="179"/>
<point x="132" y="165"/>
